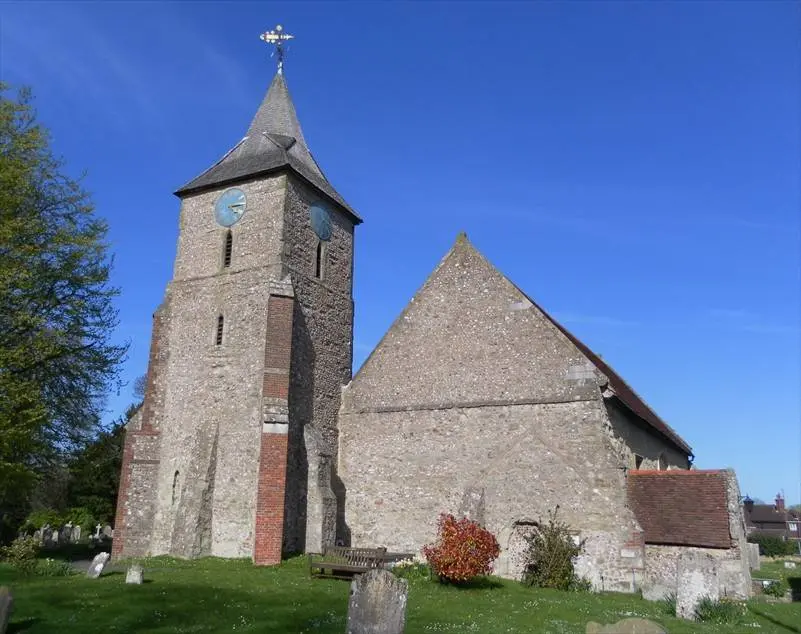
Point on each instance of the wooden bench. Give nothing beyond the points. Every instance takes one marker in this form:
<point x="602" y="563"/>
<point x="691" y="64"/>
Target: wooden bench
<point x="341" y="562"/>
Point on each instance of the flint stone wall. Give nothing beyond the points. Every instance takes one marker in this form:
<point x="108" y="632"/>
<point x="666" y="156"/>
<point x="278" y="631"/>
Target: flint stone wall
<point x="697" y="578"/>
<point x="193" y="492"/>
<point x="473" y="387"/>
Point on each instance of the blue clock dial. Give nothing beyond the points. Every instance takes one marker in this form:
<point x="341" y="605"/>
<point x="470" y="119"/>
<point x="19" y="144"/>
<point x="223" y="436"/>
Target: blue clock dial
<point x="320" y="221"/>
<point x="229" y="207"/>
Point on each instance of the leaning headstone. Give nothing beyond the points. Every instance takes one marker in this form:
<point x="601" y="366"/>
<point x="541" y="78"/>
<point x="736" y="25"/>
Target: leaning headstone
<point x="98" y="563"/>
<point x="753" y="556"/>
<point x="627" y="626"/>
<point x="377" y="603"/>
<point x="697" y="578"/>
<point x="6" y="604"/>
<point x="135" y="574"/>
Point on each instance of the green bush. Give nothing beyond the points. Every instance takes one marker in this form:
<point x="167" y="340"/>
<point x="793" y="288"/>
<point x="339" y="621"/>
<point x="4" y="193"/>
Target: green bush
<point x="549" y="556"/>
<point x="772" y="546"/>
<point x="21" y="554"/>
<point x="777" y="588"/>
<point x="53" y="568"/>
<point x="83" y="517"/>
<point x="720" y="612"/>
<point x="39" y="518"/>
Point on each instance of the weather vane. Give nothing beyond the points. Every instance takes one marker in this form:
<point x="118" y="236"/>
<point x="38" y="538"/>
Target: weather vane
<point x="277" y="37"/>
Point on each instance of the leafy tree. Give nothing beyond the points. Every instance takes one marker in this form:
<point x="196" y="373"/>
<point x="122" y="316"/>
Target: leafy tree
<point x="57" y="358"/>
<point x="95" y="471"/>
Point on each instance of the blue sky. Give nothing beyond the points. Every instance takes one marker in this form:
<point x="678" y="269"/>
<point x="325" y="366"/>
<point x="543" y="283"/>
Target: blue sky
<point x="635" y="167"/>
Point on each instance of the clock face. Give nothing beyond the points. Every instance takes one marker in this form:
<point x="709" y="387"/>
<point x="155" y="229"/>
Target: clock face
<point x="320" y="221"/>
<point x="229" y="207"/>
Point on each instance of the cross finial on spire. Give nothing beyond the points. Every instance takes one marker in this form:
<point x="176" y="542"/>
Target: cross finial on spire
<point x="277" y="37"/>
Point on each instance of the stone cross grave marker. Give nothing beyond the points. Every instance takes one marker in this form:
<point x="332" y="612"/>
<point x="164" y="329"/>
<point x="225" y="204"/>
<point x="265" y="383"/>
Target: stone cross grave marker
<point x="697" y="577"/>
<point x="6" y="604"/>
<point x="377" y="603"/>
<point x="135" y="574"/>
<point x="98" y="563"/>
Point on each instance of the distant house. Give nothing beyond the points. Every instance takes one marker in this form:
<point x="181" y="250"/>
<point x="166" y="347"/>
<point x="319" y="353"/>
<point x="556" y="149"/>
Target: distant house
<point x="772" y="519"/>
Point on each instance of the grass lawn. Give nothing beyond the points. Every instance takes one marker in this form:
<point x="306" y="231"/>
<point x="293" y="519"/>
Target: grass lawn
<point x="213" y="595"/>
<point x="774" y="569"/>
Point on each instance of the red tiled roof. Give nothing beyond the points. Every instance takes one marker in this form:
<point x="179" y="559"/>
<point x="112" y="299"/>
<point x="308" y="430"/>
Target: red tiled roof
<point x="766" y="513"/>
<point x="681" y="507"/>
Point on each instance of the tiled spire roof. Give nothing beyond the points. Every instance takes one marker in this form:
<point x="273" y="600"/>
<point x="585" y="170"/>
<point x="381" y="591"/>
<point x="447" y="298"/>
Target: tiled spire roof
<point x="273" y="141"/>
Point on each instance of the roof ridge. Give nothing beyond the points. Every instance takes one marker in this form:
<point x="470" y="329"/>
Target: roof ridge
<point x="630" y="400"/>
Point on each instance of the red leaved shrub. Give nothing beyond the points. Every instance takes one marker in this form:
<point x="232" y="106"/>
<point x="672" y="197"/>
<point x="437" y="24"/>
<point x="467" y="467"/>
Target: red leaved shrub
<point x="463" y="550"/>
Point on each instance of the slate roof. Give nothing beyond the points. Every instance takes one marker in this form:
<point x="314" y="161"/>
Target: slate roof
<point x="766" y="514"/>
<point x="273" y="141"/>
<point x="627" y="396"/>
<point x="681" y="507"/>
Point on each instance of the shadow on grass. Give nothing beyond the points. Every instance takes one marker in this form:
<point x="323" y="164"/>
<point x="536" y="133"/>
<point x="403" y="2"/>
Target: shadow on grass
<point x="165" y="606"/>
<point x="21" y="626"/>
<point x="775" y="621"/>
<point x="477" y="583"/>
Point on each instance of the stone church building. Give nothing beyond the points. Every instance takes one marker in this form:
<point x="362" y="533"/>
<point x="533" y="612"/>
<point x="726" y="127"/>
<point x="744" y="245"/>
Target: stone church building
<point x="255" y="440"/>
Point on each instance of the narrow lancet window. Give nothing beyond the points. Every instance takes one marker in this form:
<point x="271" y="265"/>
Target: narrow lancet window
<point x="229" y="246"/>
<point x="318" y="264"/>
<point x="219" y="338"/>
<point x="175" y="486"/>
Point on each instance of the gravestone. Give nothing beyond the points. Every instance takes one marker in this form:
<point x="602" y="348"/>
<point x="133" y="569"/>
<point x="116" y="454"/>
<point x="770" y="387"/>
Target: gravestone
<point x="697" y="577"/>
<point x="789" y="564"/>
<point x="37" y="535"/>
<point x="377" y="603"/>
<point x="98" y="563"/>
<point x="55" y="537"/>
<point x="753" y="556"/>
<point x="47" y="535"/>
<point x="76" y="534"/>
<point x="108" y="532"/>
<point x="98" y="528"/>
<point x="135" y="574"/>
<point x="6" y="605"/>
<point x="66" y="533"/>
<point x="627" y="626"/>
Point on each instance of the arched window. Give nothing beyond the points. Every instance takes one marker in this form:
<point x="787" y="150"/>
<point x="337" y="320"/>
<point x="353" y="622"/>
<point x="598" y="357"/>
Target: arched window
<point x="228" y="248"/>
<point x="318" y="263"/>
<point x="220" y="323"/>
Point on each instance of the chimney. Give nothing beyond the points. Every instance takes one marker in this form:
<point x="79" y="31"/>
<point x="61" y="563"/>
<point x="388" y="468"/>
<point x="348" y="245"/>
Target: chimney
<point x="779" y="502"/>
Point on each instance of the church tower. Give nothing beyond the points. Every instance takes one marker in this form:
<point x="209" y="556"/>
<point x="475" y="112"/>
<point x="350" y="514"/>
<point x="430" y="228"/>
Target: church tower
<point x="232" y="451"/>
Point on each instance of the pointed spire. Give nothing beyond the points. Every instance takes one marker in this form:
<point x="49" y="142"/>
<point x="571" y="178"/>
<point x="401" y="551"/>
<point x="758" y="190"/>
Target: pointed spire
<point x="274" y="140"/>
